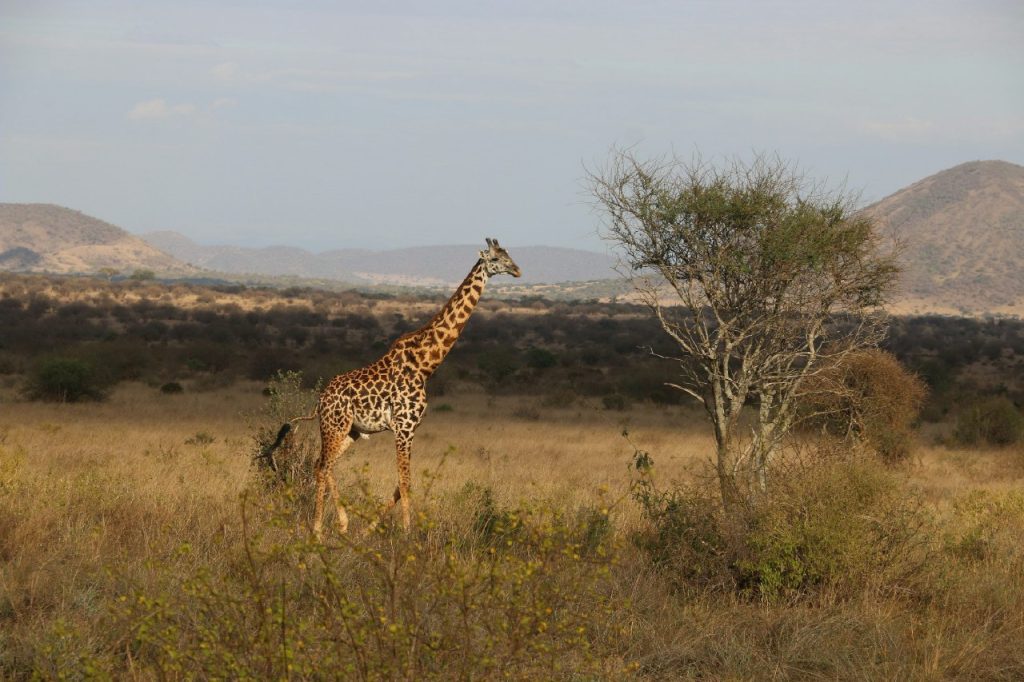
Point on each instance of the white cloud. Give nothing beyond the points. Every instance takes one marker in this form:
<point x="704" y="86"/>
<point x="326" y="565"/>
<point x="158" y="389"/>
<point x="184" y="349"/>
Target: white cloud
<point x="159" y="108"/>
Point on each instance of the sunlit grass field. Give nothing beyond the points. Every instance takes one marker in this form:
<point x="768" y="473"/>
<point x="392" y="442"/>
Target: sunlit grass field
<point x="131" y="527"/>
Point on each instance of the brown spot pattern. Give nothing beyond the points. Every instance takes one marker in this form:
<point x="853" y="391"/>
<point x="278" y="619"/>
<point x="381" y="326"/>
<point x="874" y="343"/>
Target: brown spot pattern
<point x="389" y="394"/>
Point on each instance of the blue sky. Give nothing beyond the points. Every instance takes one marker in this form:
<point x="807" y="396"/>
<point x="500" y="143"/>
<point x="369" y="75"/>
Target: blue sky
<point x="377" y="125"/>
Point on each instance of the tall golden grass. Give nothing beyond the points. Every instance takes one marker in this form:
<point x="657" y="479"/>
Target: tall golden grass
<point x="137" y="541"/>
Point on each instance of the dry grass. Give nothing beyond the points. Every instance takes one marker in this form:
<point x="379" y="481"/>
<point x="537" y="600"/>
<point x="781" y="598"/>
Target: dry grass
<point x="103" y="502"/>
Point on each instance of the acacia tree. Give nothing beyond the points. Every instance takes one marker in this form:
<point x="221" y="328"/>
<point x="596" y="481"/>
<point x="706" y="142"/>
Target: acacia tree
<point x="759" y="277"/>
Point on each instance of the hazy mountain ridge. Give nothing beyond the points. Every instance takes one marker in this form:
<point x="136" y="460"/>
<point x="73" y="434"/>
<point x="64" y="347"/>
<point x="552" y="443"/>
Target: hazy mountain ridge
<point x="962" y="232"/>
<point x="48" y="238"/>
<point x="425" y="265"/>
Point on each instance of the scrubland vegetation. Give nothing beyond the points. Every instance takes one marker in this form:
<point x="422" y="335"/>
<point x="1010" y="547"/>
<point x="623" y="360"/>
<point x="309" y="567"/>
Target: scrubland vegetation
<point x="567" y="524"/>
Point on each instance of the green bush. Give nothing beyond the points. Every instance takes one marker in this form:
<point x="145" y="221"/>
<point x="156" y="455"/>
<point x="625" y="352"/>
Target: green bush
<point x="837" y="526"/>
<point x="63" y="380"/>
<point x="990" y="421"/>
<point x="844" y="527"/>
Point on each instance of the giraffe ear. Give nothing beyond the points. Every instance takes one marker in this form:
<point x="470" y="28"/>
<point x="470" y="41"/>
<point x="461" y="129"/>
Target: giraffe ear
<point x="490" y="243"/>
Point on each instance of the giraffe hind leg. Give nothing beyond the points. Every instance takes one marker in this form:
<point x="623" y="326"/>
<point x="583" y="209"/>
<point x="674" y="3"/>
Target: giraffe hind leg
<point x="333" y="442"/>
<point x="332" y="487"/>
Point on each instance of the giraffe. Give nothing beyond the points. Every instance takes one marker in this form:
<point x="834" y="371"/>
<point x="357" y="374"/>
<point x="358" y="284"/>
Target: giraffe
<point x="390" y="394"/>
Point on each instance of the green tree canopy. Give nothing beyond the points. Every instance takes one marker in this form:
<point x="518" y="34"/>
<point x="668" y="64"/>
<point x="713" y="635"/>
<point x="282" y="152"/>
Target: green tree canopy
<point x="756" y="273"/>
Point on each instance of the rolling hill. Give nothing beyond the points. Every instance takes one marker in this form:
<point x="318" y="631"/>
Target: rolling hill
<point x="48" y="238"/>
<point x="962" y="234"/>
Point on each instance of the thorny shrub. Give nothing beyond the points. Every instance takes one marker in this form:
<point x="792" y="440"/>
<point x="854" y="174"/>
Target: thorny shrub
<point x="836" y="526"/>
<point x="297" y="456"/>
<point x="389" y="605"/>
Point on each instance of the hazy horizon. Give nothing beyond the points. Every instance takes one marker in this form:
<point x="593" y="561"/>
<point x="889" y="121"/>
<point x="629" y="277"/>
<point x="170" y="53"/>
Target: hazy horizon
<point x="477" y="244"/>
<point x="329" y="125"/>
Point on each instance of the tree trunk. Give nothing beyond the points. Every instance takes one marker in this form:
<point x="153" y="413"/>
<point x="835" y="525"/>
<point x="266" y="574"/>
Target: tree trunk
<point x="727" y="482"/>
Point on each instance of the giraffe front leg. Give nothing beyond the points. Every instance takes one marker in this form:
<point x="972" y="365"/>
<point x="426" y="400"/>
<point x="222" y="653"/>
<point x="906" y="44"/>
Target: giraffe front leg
<point x="403" y="445"/>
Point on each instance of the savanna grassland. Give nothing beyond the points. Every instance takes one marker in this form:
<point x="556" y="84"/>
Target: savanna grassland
<point x="138" y="539"/>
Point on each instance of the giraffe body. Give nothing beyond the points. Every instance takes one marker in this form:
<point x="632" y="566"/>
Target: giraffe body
<point x="390" y="394"/>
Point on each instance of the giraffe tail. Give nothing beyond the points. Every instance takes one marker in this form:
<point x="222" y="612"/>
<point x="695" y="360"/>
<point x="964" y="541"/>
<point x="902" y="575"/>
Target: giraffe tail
<point x="309" y="417"/>
<point x="267" y="452"/>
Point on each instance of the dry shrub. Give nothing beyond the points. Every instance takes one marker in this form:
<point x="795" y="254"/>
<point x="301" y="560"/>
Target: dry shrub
<point x="128" y="561"/>
<point x="431" y="604"/>
<point x="684" y="532"/>
<point x="841" y="527"/>
<point x="987" y="527"/>
<point x="868" y="397"/>
<point x="296" y="457"/>
<point x="846" y="527"/>
<point x="70" y="543"/>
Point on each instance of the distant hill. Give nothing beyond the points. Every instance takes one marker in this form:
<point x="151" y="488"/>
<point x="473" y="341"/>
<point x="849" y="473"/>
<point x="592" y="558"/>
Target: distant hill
<point x="963" y="237"/>
<point x="962" y="231"/>
<point x="48" y="238"/>
<point x="419" y="266"/>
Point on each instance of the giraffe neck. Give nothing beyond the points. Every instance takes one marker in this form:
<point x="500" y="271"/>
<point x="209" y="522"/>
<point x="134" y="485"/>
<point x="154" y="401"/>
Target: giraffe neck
<point x="432" y="343"/>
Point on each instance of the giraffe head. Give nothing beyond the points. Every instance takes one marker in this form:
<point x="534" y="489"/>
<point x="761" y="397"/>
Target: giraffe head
<point x="497" y="261"/>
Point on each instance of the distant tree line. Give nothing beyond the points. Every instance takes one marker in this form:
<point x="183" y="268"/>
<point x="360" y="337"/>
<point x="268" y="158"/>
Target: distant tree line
<point x="529" y="346"/>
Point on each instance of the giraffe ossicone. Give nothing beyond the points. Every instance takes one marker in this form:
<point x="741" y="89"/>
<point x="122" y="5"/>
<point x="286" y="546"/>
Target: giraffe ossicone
<point x="390" y="394"/>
